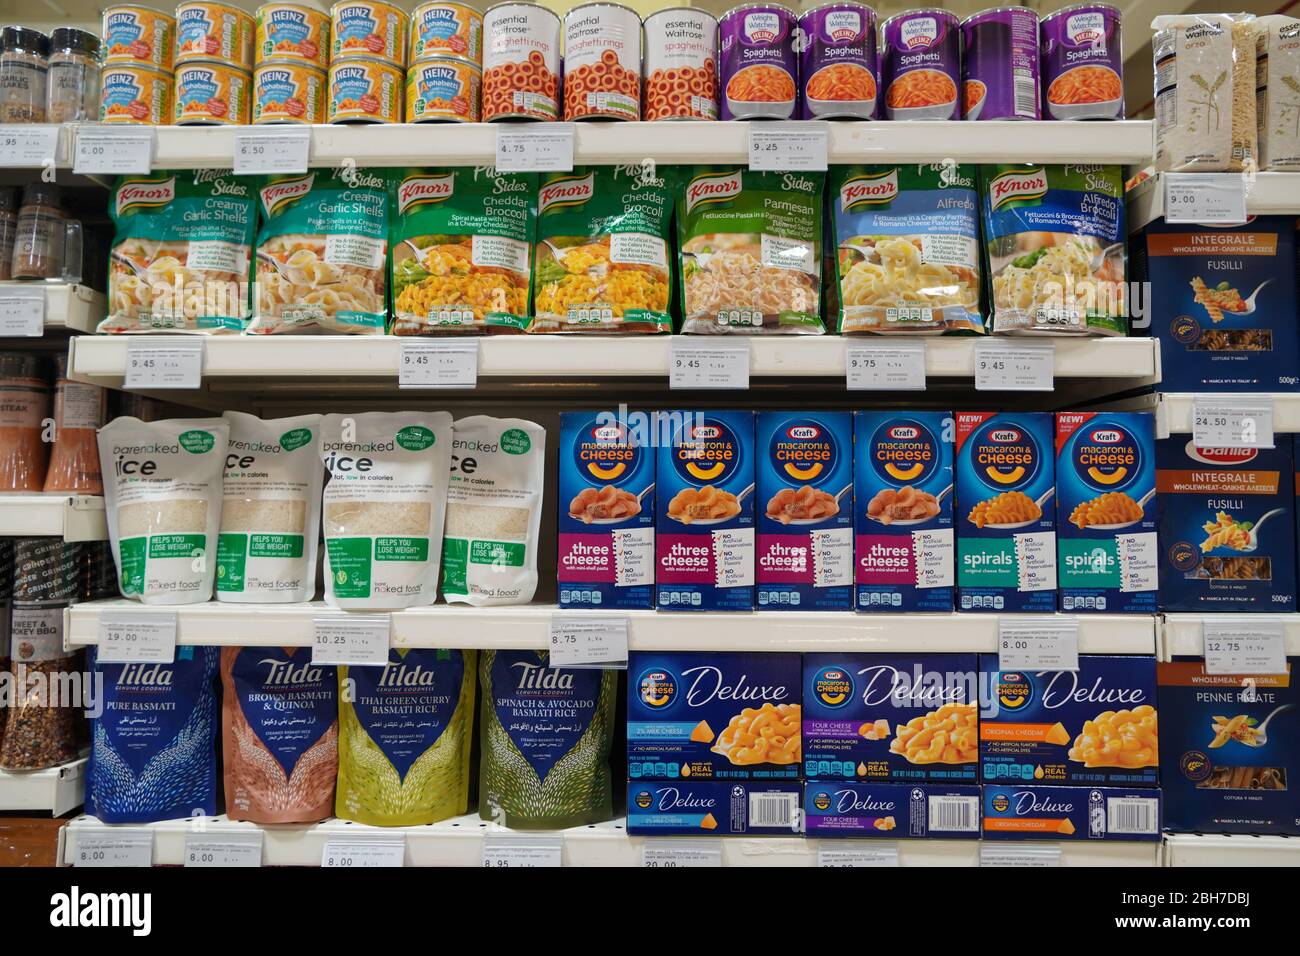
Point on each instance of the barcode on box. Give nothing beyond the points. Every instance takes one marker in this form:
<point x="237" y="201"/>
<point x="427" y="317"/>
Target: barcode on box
<point x="772" y="810"/>
<point x="1132" y="815"/>
<point x="954" y="814"/>
<point x="1026" y="95"/>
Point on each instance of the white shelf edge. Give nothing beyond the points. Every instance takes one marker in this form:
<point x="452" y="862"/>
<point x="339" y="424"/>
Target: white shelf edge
<point x="71" y="517"/>
<point x="1182" y="634"/>
<point x="56" y="790"/>
<point x="68" y="307"/>
<point x="1174" y="412"/>
<point x="1230" y="850"/>
<point x="1267" y="194"/>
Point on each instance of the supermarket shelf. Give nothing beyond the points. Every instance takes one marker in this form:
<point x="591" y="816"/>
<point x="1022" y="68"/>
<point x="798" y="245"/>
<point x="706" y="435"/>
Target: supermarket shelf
<point x="56" y="790"/>
<point x="1225" y="850"/>
<point x="1182" y="634"/>
<point x="528" y="626"/>
<point x="1174" y="411"/>
<point x="1266" y="194"/>
<point x="68" y="307"/>
<point x="71" y="517"/>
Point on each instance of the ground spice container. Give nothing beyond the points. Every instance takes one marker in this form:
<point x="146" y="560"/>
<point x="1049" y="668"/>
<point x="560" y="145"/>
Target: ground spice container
<point x="40" y="726"/>
<point x="40" y="235"/>
<point x="24" y="406"/>
<point x="24" y="71"/>
<point x="8" y="229"/>
<point x="46" y="570"/>
<point x="79" y="411"/>
<point x="73" y="88"/>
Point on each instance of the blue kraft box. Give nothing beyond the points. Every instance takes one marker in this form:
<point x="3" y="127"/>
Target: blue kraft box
<point x="891" y="811"/>
<point x="701" y="808"/>
<point x="1096" y="726"/>
<point x="1227" y="526"/>
<point x="890" y="718"/>
<point x="1033" y="812"/>
<point x="713" y="716"/>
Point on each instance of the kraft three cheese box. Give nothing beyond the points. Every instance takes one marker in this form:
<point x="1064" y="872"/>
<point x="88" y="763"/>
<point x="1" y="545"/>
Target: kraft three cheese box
<point x="704" y="524"/>
<point x="891" y="718"/>
<point x="1106" y="512"/>
<point x="805" y="511"/>
<point x="1032" y="812"/>
<point x="1006" y="524"/>
<point x="704" y="808"/>
<point x="607" y="514"/>
<point x="891" y="810"/>
<point x="1095" y="726"/>
<point x="1230" y="761"/>
<point x="902" y="511"/>
<point x="706" y="716"/>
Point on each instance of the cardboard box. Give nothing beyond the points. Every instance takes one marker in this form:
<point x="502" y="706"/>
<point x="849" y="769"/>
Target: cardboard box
<point x="701" y="808"/>
<point x="1033" y="812"/>
<point x="891" y="811"/>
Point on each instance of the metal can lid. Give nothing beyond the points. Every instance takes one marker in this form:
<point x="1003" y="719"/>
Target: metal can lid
<point x="1076" y="7"/>
<point x="377" y="61"/>
<point x="522" y="3"/>
<point x="679" y="9"/>
<point x="140" y="6"/>
<point x="208" y="62"/>
<point x="1018" y="11"/>
<point x="840" y="4"/>
<point x="450" y="60"/>
<point x="600" y="3"/>
<point x="938" y="12"/>
<point x="281" y="62"/>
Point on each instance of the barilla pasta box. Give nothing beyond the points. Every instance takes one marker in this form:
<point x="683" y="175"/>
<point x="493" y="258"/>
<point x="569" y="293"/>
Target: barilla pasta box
<point x="1227" y="528"/>
<point x="804" y="511"/>
<point x="891" y="718"/>
<point x="706" y="716"/>
<point x="1006" y="523"/>
<point x="703" y="808"/>
<point x="1107" y="555"/>
<point x="902" y="511"/>
<point x="892" y="810"/>
<point x="704" y="528"/>
<point x="1031" y="812"/>
<point x="1231" y="755"/>
<point x="1096" y="726"/>
<point x="607" y="508"/>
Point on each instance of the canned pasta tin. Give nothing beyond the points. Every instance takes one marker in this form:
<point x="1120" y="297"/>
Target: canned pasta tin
<point x="443" y="89"/>
<point x="999" y="65"/>
<point x="681" y="65"/>
<point x="1083" y="65"/>
<point x="211" y="94"/>
<point x="135" y="95"/>
<point x="364" y="90"/>
<point x="286" y="91"/>
<point x="602" y="62"/>
<point x="139" y="35"/>
<point x="837" y="67"/>
<point x="521" y="62"/>
<point x="214" y="31"/>
<point x="368" y="28"/>
<point x="291" y="31"/>
<point x="757" y="62"/>
<point x="920" y="63"/>
<point x="446" y="28"/>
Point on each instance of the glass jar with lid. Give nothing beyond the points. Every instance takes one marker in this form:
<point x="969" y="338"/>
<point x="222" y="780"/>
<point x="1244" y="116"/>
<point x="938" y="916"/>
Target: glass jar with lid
<point x="24" y="73"/>
<point x="73" y="86"/>
<point x="47" y="245"/>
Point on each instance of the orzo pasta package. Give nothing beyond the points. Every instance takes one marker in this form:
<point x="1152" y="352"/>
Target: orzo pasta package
<point x="180" y="259"/>
<point x="462" y="250"/>
<point x="751" y="251"/>
<point x="602" y="262"/>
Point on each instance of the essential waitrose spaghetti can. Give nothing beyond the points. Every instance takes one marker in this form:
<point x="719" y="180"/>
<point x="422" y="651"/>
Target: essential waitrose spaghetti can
<point x="446" y="28"/>
<point x="208" y="93"/>
<point x="758" y="69"/>
<point x="837" y="65"/>
<point x="443" y="90"/>
<point x="214" y="31"/>
<point x="681" y="65"/>
<point x="139" y="35"/>
<point x="131" y="94"/>
<point x="287" y="91"/>
<point x="1083" y="63"/>
<point x="364" y="90"/>
<point x="521" y="62"/>
<point x="293" y="31"/>
<point x="602" y="62"/>
<point x="1000" y="65"/>
<point x="920" y="65"/>
<point x="368" y="28"/>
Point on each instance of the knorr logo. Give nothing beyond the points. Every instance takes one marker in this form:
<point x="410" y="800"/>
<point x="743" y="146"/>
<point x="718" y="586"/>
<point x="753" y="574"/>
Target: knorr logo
<point x="197" y="442"/>
<point x="293" y="440"/>
<point x="145" y="194"/>
<point x="419" y="190"/>
<point x="715" y="187"/>
<point x="877" y="190"/>
<point x="416" y="438"/>
<point x="570" y="191"/>
<point x="1018" y="186"/>
<point x="282" y="193"/>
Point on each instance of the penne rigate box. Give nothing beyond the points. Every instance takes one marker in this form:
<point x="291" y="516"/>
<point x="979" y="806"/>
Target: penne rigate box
<point x="1006" y="521"/>
<point x="1033" y="812"/>
<point x="892" y="810"/>
<point x="713" y="808"/>
<point x="1107" y="555"/>
<point x="713" y="716"/>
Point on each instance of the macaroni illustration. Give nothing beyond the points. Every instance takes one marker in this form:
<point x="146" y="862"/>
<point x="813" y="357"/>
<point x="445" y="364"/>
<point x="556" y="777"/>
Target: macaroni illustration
<point x="1112" y="507"/>
<point x="802" y="504"/>
<point x="1226" y="532"/>
<point x="905" y="504"/>
<point x="694" y="504"/>
<point x="1237" y="728"/>
<point x="1123" y="738"/>
<point x="1222" y="298"/>
<point x="610" y="502"/>
<point x="1009" y="507"/>
<point x="769" y="734"/>
<point x="947" y="735"/>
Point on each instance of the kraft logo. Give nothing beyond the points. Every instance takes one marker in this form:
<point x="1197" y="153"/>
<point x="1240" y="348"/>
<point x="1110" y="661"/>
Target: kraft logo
<point x="1106" y="436"/>
<point x="920" y="31"/>
<point x="804" y="432"/>
<point x="1005" y="435"/>
<point x="1220" y="456"/>
<point x="566" y="192"/>
<point x="904" y="432"/>
<point x="1012" y="186"/>
<point x="146" y="194"/>
<point x="424" y="189"/>
<point x="869" y="191"/>
<point x="706" y="431"/>
<point x="609" y="434"/>
<point x="714" y="188"/>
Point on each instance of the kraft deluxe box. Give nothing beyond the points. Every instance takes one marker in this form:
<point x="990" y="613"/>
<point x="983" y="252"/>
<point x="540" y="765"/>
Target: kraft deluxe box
<point x="891" y="810"/>
<point x="703" y="808"/>
<point x="1033" y="812"/>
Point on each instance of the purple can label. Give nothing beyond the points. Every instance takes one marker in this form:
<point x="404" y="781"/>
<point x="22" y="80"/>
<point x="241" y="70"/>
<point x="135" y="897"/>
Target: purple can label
<point x="919" y="65"/>
<point x="837" y="62"/>
<point x="1083" y="67"/>
<point x="757" y="63"/>
<point x="1000" y="65"/>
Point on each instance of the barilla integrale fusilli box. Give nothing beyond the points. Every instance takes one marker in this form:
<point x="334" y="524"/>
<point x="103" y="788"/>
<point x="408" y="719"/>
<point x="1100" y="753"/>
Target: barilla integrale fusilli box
<point x="607" y="511"/>
<point x="804" y="511"/>
<point x="704" y="527"/>
<point x="902" y="511"/>
<point x="1107" y="554"/>
<point x="1006" y="523"/>
<point x="1096" y="726"/>
<point x="703" y="808"/>
<point x="891" y="718"/>
<point x="713" y="716"/>
<point x="1227" y="527"/>
<point x="1031" y="812"/>
<point x="892" y="810"/>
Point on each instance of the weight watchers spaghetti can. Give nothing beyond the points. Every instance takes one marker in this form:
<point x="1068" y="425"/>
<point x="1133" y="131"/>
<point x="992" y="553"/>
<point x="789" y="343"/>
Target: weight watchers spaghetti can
<point x="920" y="65"/>
<point x="837" y="67"/>
<point x="999" y="69"/>
<point x="759" y="69"/>
<point x="1083" y="63"/>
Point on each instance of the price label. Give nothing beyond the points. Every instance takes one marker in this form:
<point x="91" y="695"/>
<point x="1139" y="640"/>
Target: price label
<point x="118" y="846"/>
<point x="544" y="148"/>
<point x="385" y="851"/>
<point x="24" y="145"/>
<point x="271" y="150"/>
<point x="442" y="363"/>
<point x="512" y="850"/>
<point x="22" y="311"/>
<point x="996" y="854"/>
<point x="113" y="149"/>
<point x="137" y="637"/>
<point x="242" y="849"/>
<point x="1207" y="198"/>
<point x="589" y="642"/>
<point x="1244" y="646"/>
<point x="1029" y="644"/>
<point x="708" y="366"/>
<point x="1226" y="422"/>
<point x="788" y="147"/>
<point x="856" y="854"/>
<point x="670" y="854"/>
<point x="344" y="638"/>
<point x="899" y="366"/>
<point x="172" y="366"/>
<point x="1002" y="366"/>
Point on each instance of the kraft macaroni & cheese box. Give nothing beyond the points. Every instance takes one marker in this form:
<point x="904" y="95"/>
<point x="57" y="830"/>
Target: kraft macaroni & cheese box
<point x="1031" y="812"/>
<point x="887" y="810"/>
<point x="704" y="808"/>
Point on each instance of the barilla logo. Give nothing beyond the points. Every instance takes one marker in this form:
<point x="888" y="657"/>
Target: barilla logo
<point x="609" y="435"/>
<point x="843" y="25"/>
<point x="762" y="27"/>
<point x="569" y="191"/>
<point x="1220" y="456"/>
<point x="705" y="432"/>
<point x="422" y="190"/>
<point x="145" y="194"/>
<point x="278" y="195"/>
<point x="1018" y="187"/>
<point x="1004" y="435"/>
<point x="1106" y="436"/>
<point x="716" y="187"/>
<point x="919" y="31"/>
<point x="804" y="432"/>
<point x="878" y="190"/>
<point x="1086" y="29"/>
<point x="904" y="432"/>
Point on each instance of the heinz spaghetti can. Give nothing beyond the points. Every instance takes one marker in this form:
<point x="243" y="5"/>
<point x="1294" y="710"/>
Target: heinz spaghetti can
<point x="837" y="67"/>
<point x="758" y="65"/>
<point x="999" y="65"/>
<point x="1083" y="63"/>
<point x="920" y="65"/>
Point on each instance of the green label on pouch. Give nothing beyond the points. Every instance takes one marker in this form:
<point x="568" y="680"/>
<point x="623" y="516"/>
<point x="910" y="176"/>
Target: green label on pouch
<point x="1089" y="564"/>
<point x="504" y="553"/>
<point x="515" y="441"/>
<point x="349" y="566"/>
<point x="231" y="549"/>
<point x="987" y="563"/>
<point x="275" y="545"/>
<point x="295" y="439"/>
<point x="177" y="545"/>
<point x="132" y="552"/>
<point x="455" y="561"/>
<point x="401" y="549"/>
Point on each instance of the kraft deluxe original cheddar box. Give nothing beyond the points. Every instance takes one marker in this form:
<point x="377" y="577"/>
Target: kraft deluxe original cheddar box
<point x="891" y="811"/>
<point x="1033" y="812"/>
<point x="704" y="808"/>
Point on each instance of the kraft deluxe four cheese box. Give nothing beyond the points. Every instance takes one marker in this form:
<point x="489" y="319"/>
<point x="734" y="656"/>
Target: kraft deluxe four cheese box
<point x="1033" y="812"/>
<point x="705" y="808"/>
<point x="860" y="810"/>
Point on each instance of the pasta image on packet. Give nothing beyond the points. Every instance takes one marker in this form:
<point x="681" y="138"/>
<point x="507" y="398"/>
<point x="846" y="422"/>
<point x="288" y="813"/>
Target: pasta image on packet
<point x="750" y="245"/>
<point x="1277" y="107"/>
<point x="462" y="250"/>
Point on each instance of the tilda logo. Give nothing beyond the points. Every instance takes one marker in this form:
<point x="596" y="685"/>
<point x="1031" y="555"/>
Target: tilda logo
<point x="400" y="675"/>
<point x="540" y="677"/>
<point x="717" y="187"/>
<point x="278" y="195"/>
<point x="1087" y="29"/>
<point x="287" y="673"/>
<point x="1220" y="456"/>
<point x="422" y="190"/>
<point x="762" y="27"/>
<point x="919" y="32"/>
<point x="75" y="909"/>
<point x="568" y="191"/>
<point x="145" y="194"/>
<point x="904" y="432"/>
<point x="1018" y="186"/>
<point x="878" y="190"/>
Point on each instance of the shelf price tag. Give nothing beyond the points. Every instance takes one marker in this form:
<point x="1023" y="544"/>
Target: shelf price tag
<point x="856" y="854"/>
<point x="996" y="854"/>
<point x="1004" y="366"/>
<point x="788" y="147"/>
<point x="382" y="851"/>
<point x="1244" y="646"/>
<point x="440" y="363"/>
<point x="680" y="854"/>
<point x="22" y="311"/>
<point x="226" y="850"/>
<point x="589" y="642"/>
<point x="113" y="149"/>
<point x="29" y="145"/>
<point x="271" y="150"/>
<point x="1026" y="644"/>
<point x="1220" y="421"/>
<point x="708" y="366"/>
<point x="1205" y="198"/>
<point x="118" y="846"/>
<point x="544" y="148"/>
<point x="171" y="366"/>
<point x="137" y="637"/>
<point x="352" y="639"/>
<point x="898" y="366"/>
<point x="506" y="850"/>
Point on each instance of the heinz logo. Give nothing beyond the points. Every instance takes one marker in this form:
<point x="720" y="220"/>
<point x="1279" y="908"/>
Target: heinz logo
<point x="762" y="27"/>
<point x="804" y="432"/>
<point x="919" y="31"/>
<point x="287" y="16"/>
<point x="419" y="190"/>
<point x="706" y="431"/>
<point x="1107" y="436"/>
<point x="566" y="192"/>
<point x="1087" y="28"/>
<point x="608" y="434"/>
<point x="869" y="191"/>
<point x="1220" y="456"/>
<point x="904" y="432"/>
<point x="714" y="188"/>
<point x="279" y="194"/>
<point x="145" y="194"/>
<point x="1010" y="187"/>
<point x="1004" y="435"/>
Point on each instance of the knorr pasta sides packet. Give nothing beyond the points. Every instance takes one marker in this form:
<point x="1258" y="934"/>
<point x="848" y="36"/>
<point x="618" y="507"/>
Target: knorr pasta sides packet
<point x="602" y="262"/>
<point x="462" y="250"/>
<point x="751" y="251"/>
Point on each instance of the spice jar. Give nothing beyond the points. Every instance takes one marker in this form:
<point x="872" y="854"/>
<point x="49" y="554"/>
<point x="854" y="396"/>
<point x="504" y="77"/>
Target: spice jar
<point x="79" y="410"/>
<point x="41" y="233"/>
<point x="24" y="68"/>
<point x="24" y="407"/>
<point x="73" y="95"/>
<point x="8" y="227"/>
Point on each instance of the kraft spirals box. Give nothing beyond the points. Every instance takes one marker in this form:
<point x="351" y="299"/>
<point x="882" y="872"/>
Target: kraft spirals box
<point x="893" y="718"/>
<point x="1107" y="554"/>
<point x="1006" y="523"/>
<point x="862" y="810"/>
<point x="1227" y="527"/>
<point x="804" y="511"/>
<point x="705" y="716"/>
<point x="704" y="515"/>
<point x="1096" y="726"/>
<point x="1033" y="812"/>
<point x="607" y="513"/>
<point x="703" y="808"/>
<point x="902" y="510"/>
<point x="1230" y="761"/>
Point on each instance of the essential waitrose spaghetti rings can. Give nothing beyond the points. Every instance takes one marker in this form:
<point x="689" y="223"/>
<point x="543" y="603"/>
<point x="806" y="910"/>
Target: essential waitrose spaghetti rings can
<point x="681" y="65"/>
<point x="837" y="67"/>
<point x="1083" y="63"/>
<point x="920" y="65"/>
<point x="758" y="65"/>
<point x="140" y="35"/>
<point x="602" y="62"/>
<point x="208" y="93"/>
<point x="999" y="65"/>
<point x="446" y="28"/>
<point x="446" y="89"/>
<point x="364" y="90"/>
<point x="292" y="31"/>
<point x="286" y="91"/>
<point x="214" y="31"/>
<point x="135" y="95"/>
<point x="521" y="62"/>
<point x="368" y="28"/>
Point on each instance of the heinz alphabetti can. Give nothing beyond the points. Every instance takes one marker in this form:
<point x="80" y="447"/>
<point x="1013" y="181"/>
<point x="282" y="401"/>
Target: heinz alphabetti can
<point x="443" y="90"/>
<point x="139" y="35"/>
<point x="208" y="93"/>
<point x="364" y="90"/>
<point x="288" y="91"/>
<point x="681" y="65"/>
<point x="292" y="31"/>
<point x="368" y="28"/>
<point x="758" y="66"/>
<point x="214" y="31"/>
<point x="135" y="95"/>
<point x="521" y="62"/>
<point x="446" y="28"/>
